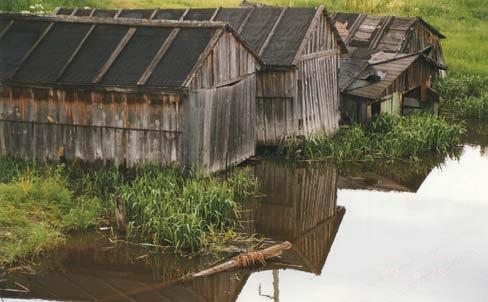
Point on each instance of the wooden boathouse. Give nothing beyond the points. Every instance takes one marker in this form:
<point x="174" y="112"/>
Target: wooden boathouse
<point x="126" y="91"/>
<point x="302" y="198"/>
<point x="297" y="91"/>
<point x="389" y="67"/>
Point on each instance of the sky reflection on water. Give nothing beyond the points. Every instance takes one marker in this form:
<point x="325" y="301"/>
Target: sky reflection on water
<point x="391" y="246"/>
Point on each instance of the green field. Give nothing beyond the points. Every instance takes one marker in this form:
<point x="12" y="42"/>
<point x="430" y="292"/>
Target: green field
<point x="464" y="22"/>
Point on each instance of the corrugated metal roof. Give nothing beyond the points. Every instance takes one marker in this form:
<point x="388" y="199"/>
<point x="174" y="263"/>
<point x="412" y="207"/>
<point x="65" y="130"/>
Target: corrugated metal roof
<point x="255" y="24"/>
<point x="101" y="51"/>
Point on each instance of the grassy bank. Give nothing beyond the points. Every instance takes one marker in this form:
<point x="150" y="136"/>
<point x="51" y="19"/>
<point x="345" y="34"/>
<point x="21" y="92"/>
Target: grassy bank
<point x="464" y="22"/>
<point x="384" y="137"/>
<point x="464" y="96"/>
<point x="41" y="203"/>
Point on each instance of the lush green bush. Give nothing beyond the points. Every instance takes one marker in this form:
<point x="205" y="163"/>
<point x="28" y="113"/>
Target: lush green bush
<point x="384" y="137"/>
<point x="464" y="96"/>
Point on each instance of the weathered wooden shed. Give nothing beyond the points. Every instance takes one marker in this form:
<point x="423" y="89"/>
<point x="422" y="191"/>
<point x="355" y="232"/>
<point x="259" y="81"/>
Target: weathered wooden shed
<point x="299" y="204"/>
<point x="397" y="84"/>
<point x="389" y="34"/>
<point x="127" y="91"/>
<point x="297" y="91"/>
<point x="389" y="67"/>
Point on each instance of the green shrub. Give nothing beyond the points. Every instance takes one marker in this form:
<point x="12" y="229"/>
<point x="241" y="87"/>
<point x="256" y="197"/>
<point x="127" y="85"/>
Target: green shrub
<point x="384" y="137"/>
<point x="464" y="96"/>
<point x="181" y="212"/>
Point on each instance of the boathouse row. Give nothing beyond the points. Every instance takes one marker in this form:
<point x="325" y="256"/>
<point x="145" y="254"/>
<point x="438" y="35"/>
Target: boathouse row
<point x="390" y="65"/>
<point x="127" y="91"/>
<point x="297" y="91"/>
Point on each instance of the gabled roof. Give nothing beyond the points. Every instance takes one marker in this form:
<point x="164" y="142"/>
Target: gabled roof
<point x="369" y="79"/>
<point x="386" y="33"/>
<point x="275" y="33"/>
<point x="104" y="52"/>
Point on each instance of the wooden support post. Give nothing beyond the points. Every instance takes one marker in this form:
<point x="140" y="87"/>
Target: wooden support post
<point x="157" y="58"/>
<point x="115" y="54"/>
<point x="77" y="50"/>
<point x="31" y="50"/>
<point x="92" y="13"/>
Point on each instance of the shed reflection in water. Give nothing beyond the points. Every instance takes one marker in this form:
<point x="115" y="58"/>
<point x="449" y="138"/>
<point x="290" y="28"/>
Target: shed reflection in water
<point x="299" y="205"/>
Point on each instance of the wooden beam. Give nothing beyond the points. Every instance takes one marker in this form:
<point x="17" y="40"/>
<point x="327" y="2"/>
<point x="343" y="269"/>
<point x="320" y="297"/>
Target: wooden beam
<point x="184" y="14"/>
<point x="157" y="58"/>
<point x="92" y="12"/>
<point x="313" y="24"/>
<point x="354" y="28"/>
<point x="320" y="54"/>
<point x="248" y="16"/>
<point x="386" y="22"/>
<point x="31" y="50"/>
<point x="154" y="14"/>
<point x="271" y="33"/>
<point x="56" y="10"/>
<point x="75" y="53"/>
<point x="118" y="13"/>
<point x="5" y="30"/>
<point x="120" y="21"/>
<point x="73" y="13"/>
<point x="215" y="14"/>
<point x="203" y="56"/>
<point x="115" y="54"/>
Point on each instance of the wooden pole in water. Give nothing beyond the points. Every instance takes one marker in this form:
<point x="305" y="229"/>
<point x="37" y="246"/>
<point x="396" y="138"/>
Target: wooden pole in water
<point x="246" y="260"/>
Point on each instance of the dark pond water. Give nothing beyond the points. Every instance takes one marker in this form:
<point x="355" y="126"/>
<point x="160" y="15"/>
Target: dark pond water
<point x="378" y="233"/>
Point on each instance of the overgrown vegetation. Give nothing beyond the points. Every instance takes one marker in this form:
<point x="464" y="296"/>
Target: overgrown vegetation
<point x="464" y="96"/>
<point x="384" y="137"/>
<point x="464" y="22"/>
<point x="182" y="210"/>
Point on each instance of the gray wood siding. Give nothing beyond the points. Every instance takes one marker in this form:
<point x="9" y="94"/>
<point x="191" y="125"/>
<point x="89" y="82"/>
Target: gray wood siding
<point x="321" y="38"/>
<point x="90" y="126"/>
<point x="319" y="96"/>
<point x="220" y="123"/>
<point x="229" y="60"/>
<point x="277" y="114"/>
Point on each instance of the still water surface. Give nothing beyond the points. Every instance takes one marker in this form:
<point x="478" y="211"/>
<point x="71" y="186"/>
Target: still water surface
<point x="405" y="235"/>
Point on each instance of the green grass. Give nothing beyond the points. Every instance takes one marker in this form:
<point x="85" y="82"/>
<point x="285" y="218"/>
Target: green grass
<point x="464" y="22"/>
<point x="384" y="137"/>
<point x="36" y="211"/>
<point x="464" y="96"/>
<point x="41" y="203"/>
